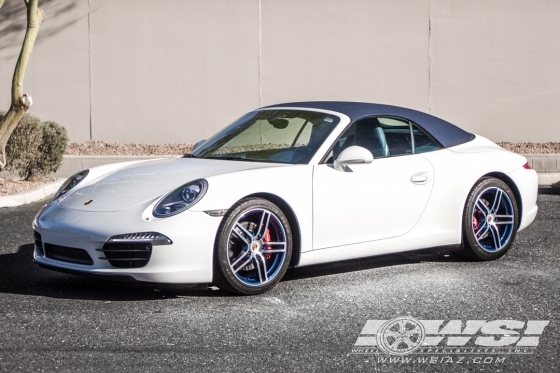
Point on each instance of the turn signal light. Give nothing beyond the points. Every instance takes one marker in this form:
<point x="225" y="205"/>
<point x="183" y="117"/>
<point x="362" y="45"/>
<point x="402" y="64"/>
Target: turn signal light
<point x="152" y="237"/>
<point x="527" y="166"/>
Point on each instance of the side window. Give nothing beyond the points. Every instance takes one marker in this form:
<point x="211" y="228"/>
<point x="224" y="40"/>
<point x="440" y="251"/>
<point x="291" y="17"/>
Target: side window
<point x="397" y="136"/>
<point x="423" y="142"/>
<point x="366" y="133"/>
<point x="385" y="137"/>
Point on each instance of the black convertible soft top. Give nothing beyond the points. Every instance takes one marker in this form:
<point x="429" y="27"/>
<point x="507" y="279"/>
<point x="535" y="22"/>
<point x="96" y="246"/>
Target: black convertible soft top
<point x="446" y="133"/>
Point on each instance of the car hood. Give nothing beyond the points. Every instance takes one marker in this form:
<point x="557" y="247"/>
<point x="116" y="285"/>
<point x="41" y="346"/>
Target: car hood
<point x="137" y="184"/>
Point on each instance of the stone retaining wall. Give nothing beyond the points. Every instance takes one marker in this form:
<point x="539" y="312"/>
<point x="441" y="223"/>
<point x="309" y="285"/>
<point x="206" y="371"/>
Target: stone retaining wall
<point x="544" y="163"/>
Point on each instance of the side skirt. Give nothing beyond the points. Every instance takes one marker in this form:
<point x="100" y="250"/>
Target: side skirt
<point x="383" y="247"/>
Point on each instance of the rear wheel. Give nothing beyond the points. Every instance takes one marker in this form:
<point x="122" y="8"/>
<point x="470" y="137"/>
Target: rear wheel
<point x="253" y="247"/>
<point x="490" y="220"/>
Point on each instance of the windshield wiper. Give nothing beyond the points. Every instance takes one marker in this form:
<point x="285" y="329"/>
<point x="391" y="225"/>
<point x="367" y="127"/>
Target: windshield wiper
<point x="229" y="158"/>
<point x="189" y="155"/>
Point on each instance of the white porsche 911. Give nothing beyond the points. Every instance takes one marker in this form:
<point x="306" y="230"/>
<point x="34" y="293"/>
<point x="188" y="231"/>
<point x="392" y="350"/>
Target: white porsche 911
<point x="288" y="186"/>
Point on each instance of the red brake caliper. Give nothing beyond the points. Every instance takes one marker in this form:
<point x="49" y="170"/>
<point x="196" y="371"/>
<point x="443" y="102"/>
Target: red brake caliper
<point x="475" y="222"/>
<point x="266" y="238"/>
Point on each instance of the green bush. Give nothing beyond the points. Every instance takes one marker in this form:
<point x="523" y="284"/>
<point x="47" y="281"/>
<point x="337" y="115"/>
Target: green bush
<point x="51" y="149"/>
<point x="23" y="146"/>
<point x="35" y="148"/>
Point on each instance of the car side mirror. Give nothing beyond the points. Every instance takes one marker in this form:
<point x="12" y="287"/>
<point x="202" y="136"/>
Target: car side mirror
<point x="352" y="155"/>
<point x="198" y="144"/>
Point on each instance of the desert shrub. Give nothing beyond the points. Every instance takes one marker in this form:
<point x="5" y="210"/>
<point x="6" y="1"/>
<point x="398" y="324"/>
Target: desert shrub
<point x="51" y="150"/>
<point x="23" y="146"/>
<point x="35" y="148"/>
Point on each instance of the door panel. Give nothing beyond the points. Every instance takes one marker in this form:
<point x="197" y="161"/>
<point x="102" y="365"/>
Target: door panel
<point x="375" y="201"/>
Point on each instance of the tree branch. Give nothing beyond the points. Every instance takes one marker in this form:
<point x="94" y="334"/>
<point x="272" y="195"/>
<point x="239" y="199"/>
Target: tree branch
<point x="20" y="102"/>
<point x="34" y="18"/>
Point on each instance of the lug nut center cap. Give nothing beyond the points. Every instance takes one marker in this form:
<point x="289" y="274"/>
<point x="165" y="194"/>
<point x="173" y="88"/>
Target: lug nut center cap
<point x="255" y="246"/>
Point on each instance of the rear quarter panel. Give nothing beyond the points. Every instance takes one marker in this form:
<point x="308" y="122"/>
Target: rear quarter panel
<point x="457" y="169"/>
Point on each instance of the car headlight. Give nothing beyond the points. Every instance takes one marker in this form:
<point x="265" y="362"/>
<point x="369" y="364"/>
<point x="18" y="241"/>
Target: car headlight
<point x="181" y="199"/>
<point x="71" y="183"/>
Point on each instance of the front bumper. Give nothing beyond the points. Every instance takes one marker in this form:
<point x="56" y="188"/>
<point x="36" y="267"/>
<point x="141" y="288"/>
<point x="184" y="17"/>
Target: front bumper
<point x="188" y="260"/>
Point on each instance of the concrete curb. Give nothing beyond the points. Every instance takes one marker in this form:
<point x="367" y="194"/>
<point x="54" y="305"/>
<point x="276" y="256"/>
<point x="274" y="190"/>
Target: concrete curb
<point x="549" y="179"/>
<point x="33" y="195"/>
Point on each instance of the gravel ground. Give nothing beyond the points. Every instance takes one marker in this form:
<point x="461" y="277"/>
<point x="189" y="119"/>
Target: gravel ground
<point x="100" y="148"/>
<point x="8" y="187"/>
<point x="532" y="147"/>
<point x="111" y="148"/>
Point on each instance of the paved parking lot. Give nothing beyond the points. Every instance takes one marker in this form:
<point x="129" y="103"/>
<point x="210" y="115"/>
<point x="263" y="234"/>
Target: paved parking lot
<point x="310" y="322"/>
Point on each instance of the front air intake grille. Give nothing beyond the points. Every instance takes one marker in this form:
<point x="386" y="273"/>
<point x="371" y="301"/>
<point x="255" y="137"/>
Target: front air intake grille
<point x="68" y="254"/>
<point x="127" y="255"/>
<point x="38" y="243"/>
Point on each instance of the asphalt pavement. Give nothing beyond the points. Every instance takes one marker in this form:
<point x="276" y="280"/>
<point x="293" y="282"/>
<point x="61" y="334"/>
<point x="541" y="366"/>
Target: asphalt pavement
<point x="310" y="322"/>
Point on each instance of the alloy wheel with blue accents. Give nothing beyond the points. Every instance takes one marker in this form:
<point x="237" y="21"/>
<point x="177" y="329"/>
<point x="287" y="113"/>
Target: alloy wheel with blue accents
<point x="257" y="247"/>
<point x="493" y="219"/>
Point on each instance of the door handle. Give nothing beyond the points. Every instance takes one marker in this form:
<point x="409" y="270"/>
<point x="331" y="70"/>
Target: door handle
<point x="420" y="178"/>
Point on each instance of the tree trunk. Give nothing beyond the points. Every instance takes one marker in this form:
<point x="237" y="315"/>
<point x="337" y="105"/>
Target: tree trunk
<point x="20" y="102"/>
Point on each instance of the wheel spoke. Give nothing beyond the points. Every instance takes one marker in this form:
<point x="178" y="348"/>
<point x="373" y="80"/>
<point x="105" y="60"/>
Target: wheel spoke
<point x="497" y="200"/>
<point x="408" y="342"/>
<point x="481" y="230"/>
<point x="415" y="330"/>
<point x="244" y="230"/>
<point x="242" y="265"/>
<point x="496" y="237"/>
<point x="482" y="207"/>
<point x="390" y="333"/>
<point x="479" y="235"/>
<point x="504" y="219"/>
<point x="244" y="239"/>
<point x="263" y="276"/>
<point x="242" y="255"/>
<point x="258" y="234"/>
<point x="263" y="225"/>
<point x="396" y="342"/>
<point x="402" y="326"/>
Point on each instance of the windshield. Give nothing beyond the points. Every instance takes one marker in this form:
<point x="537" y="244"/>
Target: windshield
<point x="280" y="136"/>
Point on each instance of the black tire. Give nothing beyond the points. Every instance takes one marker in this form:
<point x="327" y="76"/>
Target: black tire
<point x="490" y="220"/>
<point x="243" y="257"/>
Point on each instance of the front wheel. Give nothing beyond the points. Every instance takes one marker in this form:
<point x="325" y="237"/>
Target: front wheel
<point x="253" y="247"/>
<point x="490" y="220"/>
